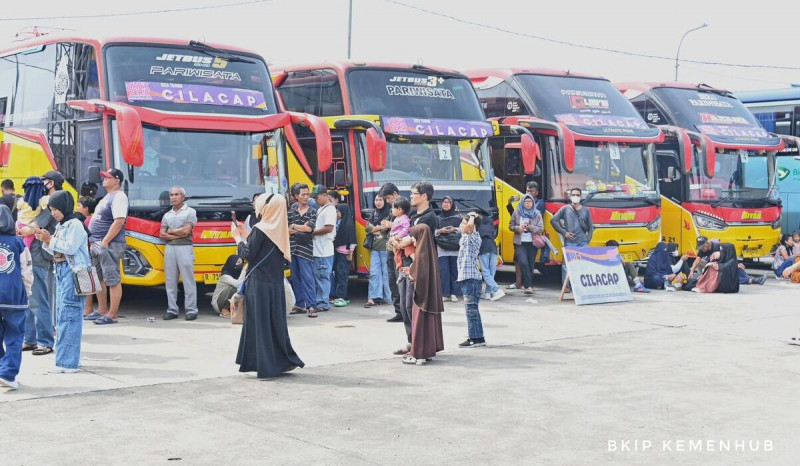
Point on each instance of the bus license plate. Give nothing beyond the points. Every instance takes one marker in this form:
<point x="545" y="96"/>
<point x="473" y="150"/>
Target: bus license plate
<point x="626" y="256"/>
<point x="751" y="252"/>
<point x="211" y="278"/>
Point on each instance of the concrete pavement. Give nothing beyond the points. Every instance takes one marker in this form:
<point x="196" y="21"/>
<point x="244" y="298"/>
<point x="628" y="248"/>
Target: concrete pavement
<point x="557" y="384"/>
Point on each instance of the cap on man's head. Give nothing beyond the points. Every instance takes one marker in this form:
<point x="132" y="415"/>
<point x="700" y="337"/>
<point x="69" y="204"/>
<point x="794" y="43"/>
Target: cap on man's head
<point x="114" y="173"/>
<point x="701" y="240"/>
<point x="54" y="176"/>
<point x="319" y="189"/>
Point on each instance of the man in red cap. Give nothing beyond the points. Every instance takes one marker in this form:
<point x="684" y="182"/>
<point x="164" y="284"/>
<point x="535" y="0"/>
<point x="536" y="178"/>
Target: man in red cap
<point x="107" y="238"/>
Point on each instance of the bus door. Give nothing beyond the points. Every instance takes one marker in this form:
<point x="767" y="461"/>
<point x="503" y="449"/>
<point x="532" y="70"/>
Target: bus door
<point x="670" y="183"/>
<point x="90" y="157"/>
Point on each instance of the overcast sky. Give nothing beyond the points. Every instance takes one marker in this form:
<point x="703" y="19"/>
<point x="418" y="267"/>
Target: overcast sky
<point x="288" y="32"/>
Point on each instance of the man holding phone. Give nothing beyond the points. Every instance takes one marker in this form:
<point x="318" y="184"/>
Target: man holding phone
<point x="176" y="229"/>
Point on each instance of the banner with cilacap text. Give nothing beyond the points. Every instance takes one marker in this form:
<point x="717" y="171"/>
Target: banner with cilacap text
<point x="596" y="275"/>
<point x="143" y="91"/>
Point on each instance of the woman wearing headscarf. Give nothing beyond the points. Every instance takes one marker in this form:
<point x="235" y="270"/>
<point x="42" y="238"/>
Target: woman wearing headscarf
<point x="378" y="270"/>
<point x="723" y="270"/>
<point x="344" y="244"/>
<point x="426" y="312"/>
<point x="660" y="271"/>
<point x="528" y="226"/>
<point x="447" y="238"/>
<point x="69" y="247"/>
<point x="265" y="347"/>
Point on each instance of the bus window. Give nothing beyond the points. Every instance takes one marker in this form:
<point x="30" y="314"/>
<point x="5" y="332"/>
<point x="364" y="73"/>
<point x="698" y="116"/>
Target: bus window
<point x="316" y="92"/>
<point x="669" y="175"/>
<point x="775" y="119"/>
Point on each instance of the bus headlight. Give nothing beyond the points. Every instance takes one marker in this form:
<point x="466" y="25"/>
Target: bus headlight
<point x="655" y="224"/>
<point x="708" y="223"/>
<point x="134" y="263"/>
<point x="776" y="225"/>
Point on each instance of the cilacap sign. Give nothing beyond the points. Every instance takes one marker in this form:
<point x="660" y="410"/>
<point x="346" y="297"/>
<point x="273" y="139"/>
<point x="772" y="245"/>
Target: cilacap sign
<point x="434" y="128"/>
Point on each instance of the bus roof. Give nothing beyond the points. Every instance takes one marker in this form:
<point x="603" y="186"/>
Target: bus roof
<point x="342" y="66"/>
<point x="100" y="41"/>
<point x="769" y="95"/>
<point x="648" y="86"/>
<point x="478" y="76"/>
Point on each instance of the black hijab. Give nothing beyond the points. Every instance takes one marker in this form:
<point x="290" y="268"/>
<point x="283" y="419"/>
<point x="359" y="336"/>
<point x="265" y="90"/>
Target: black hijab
<point x="728" y="269"/>
<point x="449" y="218"/>
<point x="7" y="224"/>
<point x="379" y="215"/>
<point x="346" y="233"/>
<point x="233" y="266"/>
<point x="64" y="203"/>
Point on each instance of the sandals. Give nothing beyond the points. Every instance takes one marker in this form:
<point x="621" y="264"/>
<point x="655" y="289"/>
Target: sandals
<point x="297" y="310"/>
<point x="27" y="347"/>
<point x="369" y="304"/>
<point x="402" y="351"/>
<point x="42" y="350"/>
<point x="312" y="313"/>
<point x="105" y="320"/>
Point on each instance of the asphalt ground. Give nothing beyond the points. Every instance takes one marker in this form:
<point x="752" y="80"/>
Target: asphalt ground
<point x="667" y="378"/>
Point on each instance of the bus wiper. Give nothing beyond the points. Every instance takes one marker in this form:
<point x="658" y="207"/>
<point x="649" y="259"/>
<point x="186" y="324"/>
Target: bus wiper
<point x="716" y="204"/>
<point x="644" y="199"/>
<point x="433" y="72"/>
<point x="189" y="198"/>
<point x="594" y="193"/>
<point x="206" y="49"/>
<point x="471" y="204"/>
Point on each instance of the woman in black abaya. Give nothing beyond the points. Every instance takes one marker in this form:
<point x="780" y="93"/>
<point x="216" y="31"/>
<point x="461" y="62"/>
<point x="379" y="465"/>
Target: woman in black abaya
<point x="264" y="346"/>
<point x="728" y="269"/>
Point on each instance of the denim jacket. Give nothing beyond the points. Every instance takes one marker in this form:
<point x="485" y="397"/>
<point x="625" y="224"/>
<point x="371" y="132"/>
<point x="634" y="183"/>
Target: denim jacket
<point x="71" y="239"/>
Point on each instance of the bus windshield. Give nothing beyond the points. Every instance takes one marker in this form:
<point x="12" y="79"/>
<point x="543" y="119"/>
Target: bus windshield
<point x="409" y="93"/>
<point x="738" y="174"/>
<point x="188" y="80"/>
<point x="559" y="98"/>
<point x="721" y="117"/>
<point x="610" y="170"/>
<point x="441" y="162"/>
<point x="217" y="169"/>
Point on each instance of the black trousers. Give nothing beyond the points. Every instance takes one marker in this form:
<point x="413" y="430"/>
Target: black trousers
<point x="393" y="282"/>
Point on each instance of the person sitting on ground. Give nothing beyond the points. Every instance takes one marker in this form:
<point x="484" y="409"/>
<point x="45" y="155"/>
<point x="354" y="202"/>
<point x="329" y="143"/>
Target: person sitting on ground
<point x="783" y="255"/>
<point x="705" y="247"/>
<point x="660" y="272"/>
<point x="721" y="274"/>
<point x="746" y="279"/>
<point x="631" y="271"/>
<point x="796" y="239"/>
<point x="227" y="285"/>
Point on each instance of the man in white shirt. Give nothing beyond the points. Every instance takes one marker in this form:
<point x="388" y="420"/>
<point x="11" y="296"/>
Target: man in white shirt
<point x="324" y="232"/>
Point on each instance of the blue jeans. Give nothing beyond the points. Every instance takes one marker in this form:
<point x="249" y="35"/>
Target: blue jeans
<point x="39" y="317"/>
<point x="340" y="276"/>
<point x="12" y="328"/>
<point x="472" y="296"/>
<point x="488" y="269"/>
<point x="379" y="277"/>
<point x="69" y="319"/>
<point x="567" y="244"/>
<point x="782" y="267"/>
<point x="448" y="269"/>
<point x="322" y="275"/>
<point x="303" y="282"/>
<point x="744" y="279"/>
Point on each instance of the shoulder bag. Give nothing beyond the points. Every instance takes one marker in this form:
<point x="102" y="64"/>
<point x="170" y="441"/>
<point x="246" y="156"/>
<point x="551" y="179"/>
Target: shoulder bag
<point x="243" y="284"/>
<point x="86" y="280"/>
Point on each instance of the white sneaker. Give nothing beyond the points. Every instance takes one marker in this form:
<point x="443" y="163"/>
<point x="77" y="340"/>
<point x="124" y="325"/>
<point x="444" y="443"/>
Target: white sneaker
<point x="453" y="298"/>
<point x="793" y="341"/>
<point x="486" y="296"/>
<point x="11" y="384"/>
<point x="670" y="288"/>
<point x="497" y="295"/>
<point x="512" y="286"/>
<point x="62" y="370"/>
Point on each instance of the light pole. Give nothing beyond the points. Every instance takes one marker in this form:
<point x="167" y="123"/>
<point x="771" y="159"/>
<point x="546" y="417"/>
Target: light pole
<point x="681" y="43"/>
<point x="350" y="29"/>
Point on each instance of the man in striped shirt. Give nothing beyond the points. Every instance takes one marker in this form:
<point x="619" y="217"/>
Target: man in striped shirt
<point x="302" y="218"/>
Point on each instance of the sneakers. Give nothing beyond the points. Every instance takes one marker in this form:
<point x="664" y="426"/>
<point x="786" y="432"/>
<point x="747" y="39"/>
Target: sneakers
<point x="11" y="384"/>
<point x="639" y="288"/>
<point x="512" y="286"/>
<point x="339" y="302"/>
<point x="669" y="288"/>
<point x="795" y="341"/>
<point x="170" y="316"/>
<point x="497" y="295"/>
<point x="191" y="316"/>
<point x="453" y="298"/>
<point x="62" y="370"/>
<point x="760" y="280"/>
<point x="528" y="290"/>
<point x="412" y="360"/>
<point x="395" y="318"/>
<point x="470" y="343"/>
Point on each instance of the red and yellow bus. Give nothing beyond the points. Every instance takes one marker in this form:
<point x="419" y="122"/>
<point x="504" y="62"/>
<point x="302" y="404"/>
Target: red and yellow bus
<point x="590" y="137"/>
<point x="165" y="112"/>
<point x="394" y="123"/>
<point x="716" y="167"/>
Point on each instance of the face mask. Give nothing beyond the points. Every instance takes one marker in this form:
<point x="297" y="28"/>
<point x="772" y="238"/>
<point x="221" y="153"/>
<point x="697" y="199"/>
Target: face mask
<point x="575" y="199"/>
<point x="675" y="253"/>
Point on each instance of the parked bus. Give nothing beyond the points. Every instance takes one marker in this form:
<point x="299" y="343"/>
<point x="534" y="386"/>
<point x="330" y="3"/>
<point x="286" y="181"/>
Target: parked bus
<point x="716" y="168"/>
<point x="590" y="137"/>
<point x="165" y="112"/>
<point x="429" y="121"/>
<point x="778" y="111"/>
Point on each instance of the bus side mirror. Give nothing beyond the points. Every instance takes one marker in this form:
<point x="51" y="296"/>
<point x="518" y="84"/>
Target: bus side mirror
<point x="131" y="136"/>
<point x="94" y="175"/>
<point x="376" y="150"/>
<point x="338" y="178"/>
<point x="530" y="153"/>
<point x="322" y="135"/>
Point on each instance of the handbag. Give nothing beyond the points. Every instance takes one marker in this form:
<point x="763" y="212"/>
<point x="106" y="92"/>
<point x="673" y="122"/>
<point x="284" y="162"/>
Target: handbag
<point x="369" y="240"/>
<point x="449" y="241"/>
<point x="86" y="280"/>
<point x="537" y="241"/>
